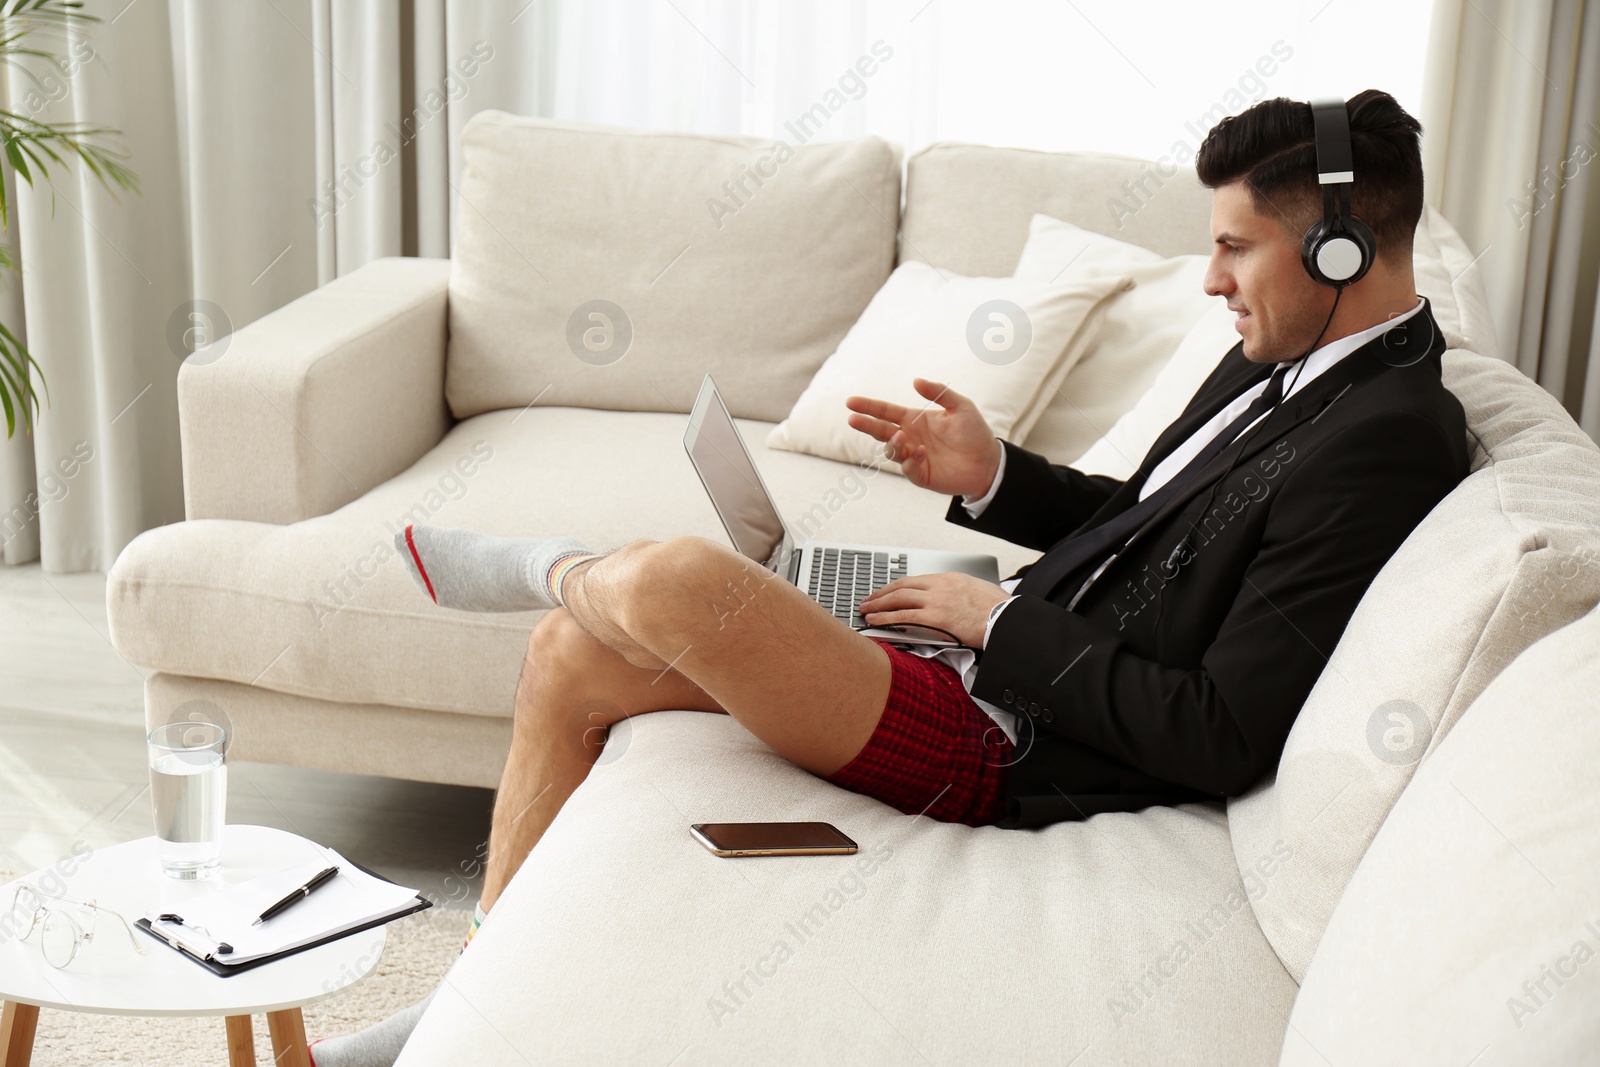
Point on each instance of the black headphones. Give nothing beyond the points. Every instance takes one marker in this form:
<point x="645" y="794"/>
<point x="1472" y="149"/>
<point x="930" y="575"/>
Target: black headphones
<point x="1340" y="249"/>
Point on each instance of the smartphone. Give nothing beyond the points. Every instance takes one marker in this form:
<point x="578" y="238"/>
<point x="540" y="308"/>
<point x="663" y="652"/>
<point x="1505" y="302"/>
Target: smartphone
<point x="772" y="839"/>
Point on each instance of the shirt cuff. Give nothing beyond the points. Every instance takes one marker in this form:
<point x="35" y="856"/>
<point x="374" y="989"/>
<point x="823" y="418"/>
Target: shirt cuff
<point x="994" y="614"/>
<point x="975" y="506"/>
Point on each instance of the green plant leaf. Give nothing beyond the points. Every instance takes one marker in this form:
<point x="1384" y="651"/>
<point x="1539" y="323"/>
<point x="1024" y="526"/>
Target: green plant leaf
<point x="8" y="384"/>
<point x="27" y="150"/>
<point x="11" y="418"/>
<point x="7" y="338"/>
<point x="14" y="379"/>
<point x="28" y="143"/>
<point x="14" y="154"/>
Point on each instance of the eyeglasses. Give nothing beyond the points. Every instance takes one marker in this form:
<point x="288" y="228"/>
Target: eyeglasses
<point x="60" y="933"/>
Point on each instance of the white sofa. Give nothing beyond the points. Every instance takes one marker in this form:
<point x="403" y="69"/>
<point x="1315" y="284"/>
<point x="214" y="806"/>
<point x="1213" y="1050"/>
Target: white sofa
<point x="1424" y="849"/>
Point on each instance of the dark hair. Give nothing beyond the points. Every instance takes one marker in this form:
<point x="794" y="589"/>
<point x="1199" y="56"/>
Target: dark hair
<point x="1272" y="146"/>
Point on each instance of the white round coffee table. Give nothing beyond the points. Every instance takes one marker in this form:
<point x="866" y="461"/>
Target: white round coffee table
<point x="111" y="978"/>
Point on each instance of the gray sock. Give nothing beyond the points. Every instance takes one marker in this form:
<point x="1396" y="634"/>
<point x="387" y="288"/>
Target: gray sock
<point x="475" y="572"/>
<point x="378" y="1045"/>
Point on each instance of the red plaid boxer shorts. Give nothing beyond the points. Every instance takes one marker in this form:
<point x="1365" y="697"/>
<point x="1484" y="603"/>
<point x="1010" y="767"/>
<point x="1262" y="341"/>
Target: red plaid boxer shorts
<point x="934" y="751"/>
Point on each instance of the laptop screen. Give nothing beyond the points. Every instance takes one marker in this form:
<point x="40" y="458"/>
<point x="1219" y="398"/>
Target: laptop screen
<point x="729" y="474"/>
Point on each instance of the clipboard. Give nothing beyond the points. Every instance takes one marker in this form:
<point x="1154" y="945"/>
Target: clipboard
<point x="226" y="970"/>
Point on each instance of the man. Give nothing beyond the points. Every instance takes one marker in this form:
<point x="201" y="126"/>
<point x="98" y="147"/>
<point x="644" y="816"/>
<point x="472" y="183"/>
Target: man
<point x="1157" y="652"/>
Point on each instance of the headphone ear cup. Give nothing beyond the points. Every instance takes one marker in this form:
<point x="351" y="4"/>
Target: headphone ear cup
<point x="1338" y="257"/>
<point x="1362" y="235"/>
<point x="1308" y="251"/>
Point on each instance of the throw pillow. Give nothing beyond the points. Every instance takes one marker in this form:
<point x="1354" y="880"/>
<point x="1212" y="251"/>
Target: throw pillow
<point x="1138" y="335"/>
<point x="1004" y="342"/>
<point x="1123" y="448"/>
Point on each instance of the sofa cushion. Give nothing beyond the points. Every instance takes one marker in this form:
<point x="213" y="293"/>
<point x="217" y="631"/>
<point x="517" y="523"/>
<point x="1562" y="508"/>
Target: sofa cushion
<point x="324" y="608"/>
<point x="622" y="940"/>
<point x="968" y="206"/>
<point x="1511" y="554"/>
<point x="1447" y="274"/>
<point x="1470" y="924"/>
<point x="612" y="269"/>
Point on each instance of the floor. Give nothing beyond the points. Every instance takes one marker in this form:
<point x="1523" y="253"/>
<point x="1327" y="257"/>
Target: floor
<point x="72" y="759"/>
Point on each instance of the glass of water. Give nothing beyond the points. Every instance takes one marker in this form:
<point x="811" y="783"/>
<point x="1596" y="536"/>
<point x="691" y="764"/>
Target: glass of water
<point x="189" y="792"/>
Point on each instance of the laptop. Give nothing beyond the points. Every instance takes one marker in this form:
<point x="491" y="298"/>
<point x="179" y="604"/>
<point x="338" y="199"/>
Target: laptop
<point x="837" y="576"/>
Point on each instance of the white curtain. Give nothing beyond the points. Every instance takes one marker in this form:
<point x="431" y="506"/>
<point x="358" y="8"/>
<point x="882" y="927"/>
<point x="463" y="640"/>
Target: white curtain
<point x="282" y="143"/>
<point x="99" y="279"/>
<point x="1511" y="120"/>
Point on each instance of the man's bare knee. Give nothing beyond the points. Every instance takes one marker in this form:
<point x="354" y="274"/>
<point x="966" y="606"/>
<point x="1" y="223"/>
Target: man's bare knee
<point x="557" y="644"/>
<point x="625" y="564"/>
<point x="554" y="698"/>
<point x="668" y="578"/>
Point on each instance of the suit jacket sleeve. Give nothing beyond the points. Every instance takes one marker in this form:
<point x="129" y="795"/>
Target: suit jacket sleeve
<point x="1038" y="502"/>
<point x="1219" y="727"/>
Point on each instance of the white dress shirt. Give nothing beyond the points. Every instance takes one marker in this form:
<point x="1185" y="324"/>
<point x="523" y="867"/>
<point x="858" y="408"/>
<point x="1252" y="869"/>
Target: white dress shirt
<point x="964" y="660"/>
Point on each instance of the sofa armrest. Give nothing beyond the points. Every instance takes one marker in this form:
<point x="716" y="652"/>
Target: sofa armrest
<point x="307" y="408"/>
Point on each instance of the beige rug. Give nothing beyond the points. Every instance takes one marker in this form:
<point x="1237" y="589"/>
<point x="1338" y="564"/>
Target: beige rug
<point x="421" y="948"/>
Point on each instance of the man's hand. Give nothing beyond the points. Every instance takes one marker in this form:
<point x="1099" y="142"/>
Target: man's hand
<point x="949" y="448"/>
<point x="952" y="601"/>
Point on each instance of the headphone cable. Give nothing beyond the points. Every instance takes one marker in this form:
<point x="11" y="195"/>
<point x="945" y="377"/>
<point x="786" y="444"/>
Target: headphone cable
<point x="1244" y="439"/>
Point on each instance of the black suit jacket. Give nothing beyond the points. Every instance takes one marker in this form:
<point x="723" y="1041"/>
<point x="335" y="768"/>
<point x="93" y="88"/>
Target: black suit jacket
<point x="1178" y="674"/>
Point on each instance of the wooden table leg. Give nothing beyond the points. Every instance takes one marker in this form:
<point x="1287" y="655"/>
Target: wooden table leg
<point x="288" y="1030"/>
<point x="17" y="1024"/>
<point x="241" y="1042"/>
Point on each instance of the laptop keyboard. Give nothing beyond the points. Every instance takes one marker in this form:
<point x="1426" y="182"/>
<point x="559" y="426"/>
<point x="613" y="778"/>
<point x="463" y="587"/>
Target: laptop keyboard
<point x="842" y="577"/>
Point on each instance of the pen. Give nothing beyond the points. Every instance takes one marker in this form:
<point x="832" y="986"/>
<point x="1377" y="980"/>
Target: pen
<point x="298" y="895"/>
<point x="170" y="917"/>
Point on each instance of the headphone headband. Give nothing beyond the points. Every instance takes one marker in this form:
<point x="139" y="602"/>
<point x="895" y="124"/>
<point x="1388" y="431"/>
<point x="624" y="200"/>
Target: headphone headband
<point x="1340" y="249"/>
<point x="1335" y="159"/>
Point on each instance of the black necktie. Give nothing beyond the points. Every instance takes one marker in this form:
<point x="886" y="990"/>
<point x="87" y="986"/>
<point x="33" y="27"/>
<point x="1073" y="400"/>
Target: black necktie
<point x="1073" y="552"/>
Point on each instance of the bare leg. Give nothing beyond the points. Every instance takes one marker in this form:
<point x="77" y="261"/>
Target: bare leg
<point x="737" y="640"/>
<point x="572" y="688"/>
<point x="772" y="657"/>
<point x="597" y="622"/>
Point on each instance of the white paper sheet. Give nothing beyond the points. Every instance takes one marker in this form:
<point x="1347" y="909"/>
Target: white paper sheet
<point x="348" y="900"/>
